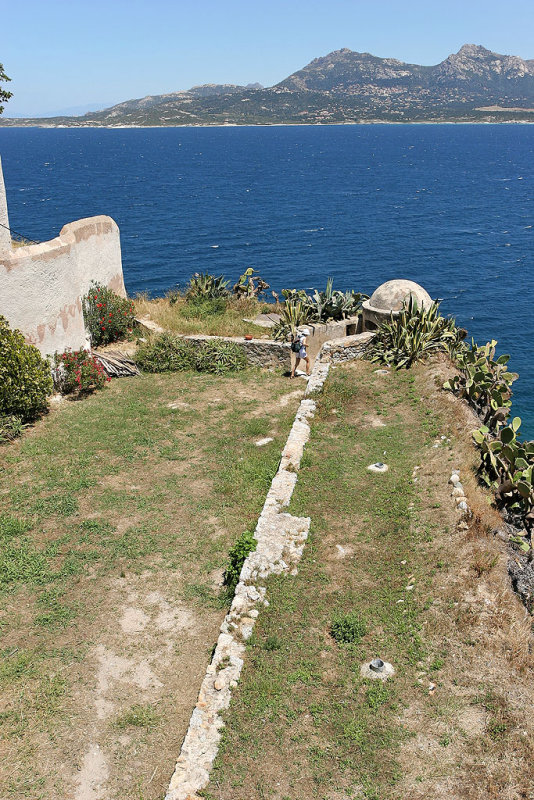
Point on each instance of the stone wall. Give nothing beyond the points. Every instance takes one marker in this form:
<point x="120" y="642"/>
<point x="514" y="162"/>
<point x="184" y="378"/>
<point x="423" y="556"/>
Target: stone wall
<point x="338" y="351"/>
<point x="322" y="332"/>
<point x="277" y="355"/>
<point x="259" y="352"/>
<point x="271" y="354"/>
<point x="5" y="235"/>
<point x="42" y="285"/>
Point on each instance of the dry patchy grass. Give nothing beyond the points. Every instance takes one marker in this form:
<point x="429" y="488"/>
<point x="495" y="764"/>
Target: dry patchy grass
<point x="116" y="517"/>
<point x="188" y="318"/>
<point x="457" y="718"/>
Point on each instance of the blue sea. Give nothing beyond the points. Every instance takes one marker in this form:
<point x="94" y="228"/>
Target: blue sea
<point x="449" y="206"/>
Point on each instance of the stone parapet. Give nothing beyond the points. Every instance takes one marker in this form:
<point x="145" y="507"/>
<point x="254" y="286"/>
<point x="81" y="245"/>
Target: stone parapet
<point x="259" y="352"/>
<point x="348" y="348"/>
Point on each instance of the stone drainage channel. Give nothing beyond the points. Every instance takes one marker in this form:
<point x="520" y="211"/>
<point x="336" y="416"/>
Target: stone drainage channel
<point x="280" y="543"/>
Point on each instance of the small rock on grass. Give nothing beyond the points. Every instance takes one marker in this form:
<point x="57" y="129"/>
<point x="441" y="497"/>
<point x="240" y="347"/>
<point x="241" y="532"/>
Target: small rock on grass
<point x="262" y="442"/>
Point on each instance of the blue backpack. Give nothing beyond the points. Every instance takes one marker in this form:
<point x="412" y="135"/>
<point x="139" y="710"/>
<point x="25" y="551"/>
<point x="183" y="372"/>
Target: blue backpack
<point x="296" y="343"/>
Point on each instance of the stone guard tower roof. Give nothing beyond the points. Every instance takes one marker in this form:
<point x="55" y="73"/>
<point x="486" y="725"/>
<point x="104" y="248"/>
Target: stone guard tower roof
<point x="388" y="299"/>
<point x="391" y="295"/>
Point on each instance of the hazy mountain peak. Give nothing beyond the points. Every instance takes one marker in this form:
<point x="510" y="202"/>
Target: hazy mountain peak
<point x="473" y="51"/>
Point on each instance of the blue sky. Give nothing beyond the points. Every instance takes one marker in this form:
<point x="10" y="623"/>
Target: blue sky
<point x="69" y="53"/>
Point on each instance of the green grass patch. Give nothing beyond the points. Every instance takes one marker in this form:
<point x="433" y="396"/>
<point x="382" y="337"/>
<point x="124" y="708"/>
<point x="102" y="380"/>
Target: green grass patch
<point x="138" y="716"/>
<point x="348" y="628"/>
<point x="218" y="317"/>
<point x="53" y="613"/>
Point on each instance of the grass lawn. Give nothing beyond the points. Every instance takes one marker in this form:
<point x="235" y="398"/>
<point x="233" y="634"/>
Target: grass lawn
<point x="116" y="517"/>
<point x="205" y="318"/>
<point x="387" y="566"/>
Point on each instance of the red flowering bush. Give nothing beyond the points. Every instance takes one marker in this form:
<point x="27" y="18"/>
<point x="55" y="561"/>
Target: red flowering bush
<point x="107" y="316"/>
<point x="78" y="371"/>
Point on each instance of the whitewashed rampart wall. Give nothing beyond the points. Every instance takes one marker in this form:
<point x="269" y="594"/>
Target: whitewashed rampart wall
<point x="42" y="285"/>
<point x="5" y="236"/>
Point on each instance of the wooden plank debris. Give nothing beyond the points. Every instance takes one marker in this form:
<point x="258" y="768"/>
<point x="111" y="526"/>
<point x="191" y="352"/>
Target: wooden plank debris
<point x="117" y="364"/>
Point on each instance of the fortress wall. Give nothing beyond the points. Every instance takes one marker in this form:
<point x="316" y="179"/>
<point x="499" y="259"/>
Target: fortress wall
<point x="42" y="285"/>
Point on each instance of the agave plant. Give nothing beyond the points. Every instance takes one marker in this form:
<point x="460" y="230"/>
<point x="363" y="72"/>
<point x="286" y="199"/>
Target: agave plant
<point x="293" y="315"/>
<point x="204" y="286"/>
<point x="333" y="304"/>
<point x="325" y="306"/>
<point x="413" y="335"/>
<point x="10" y="427"/>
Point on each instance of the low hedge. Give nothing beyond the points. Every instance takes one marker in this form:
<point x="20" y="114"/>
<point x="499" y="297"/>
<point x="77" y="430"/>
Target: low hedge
<point x="169" y="353"/>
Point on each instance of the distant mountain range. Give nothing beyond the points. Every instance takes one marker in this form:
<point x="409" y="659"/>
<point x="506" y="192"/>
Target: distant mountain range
<point x="472" y="85"/>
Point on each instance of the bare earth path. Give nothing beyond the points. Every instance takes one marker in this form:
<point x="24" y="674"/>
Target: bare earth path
<point x="116" y="517"/>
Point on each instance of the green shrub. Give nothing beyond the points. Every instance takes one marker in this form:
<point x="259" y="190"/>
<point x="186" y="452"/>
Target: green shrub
<point x="107" y="316"/>
<point x="169" y="353"/>
<point x="165" y="353"/>
<point x="78" y="371"/>
<point x="202" y="308"/>
<point x="25" y="377"/>
<point x="10" y="427"/>
<point x="348" y="628"/>
<point x="219" y="357"/>
<point x="236" y="558"/>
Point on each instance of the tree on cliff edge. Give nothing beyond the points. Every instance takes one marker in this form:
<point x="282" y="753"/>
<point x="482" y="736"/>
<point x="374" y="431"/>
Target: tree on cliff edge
<point x="4" y="94"/>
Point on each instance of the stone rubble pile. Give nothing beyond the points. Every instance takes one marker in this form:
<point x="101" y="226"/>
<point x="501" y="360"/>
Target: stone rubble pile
<point x="458" y="491"/>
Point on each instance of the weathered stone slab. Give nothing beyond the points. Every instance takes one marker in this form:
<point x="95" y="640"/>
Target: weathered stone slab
<point x="265" y="320"/>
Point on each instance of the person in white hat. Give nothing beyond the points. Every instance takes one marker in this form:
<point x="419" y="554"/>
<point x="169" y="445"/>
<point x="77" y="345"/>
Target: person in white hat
<point x="299" y="346"/>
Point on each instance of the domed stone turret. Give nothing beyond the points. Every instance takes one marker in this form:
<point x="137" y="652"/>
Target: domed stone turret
<point x="389" y="299"/>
